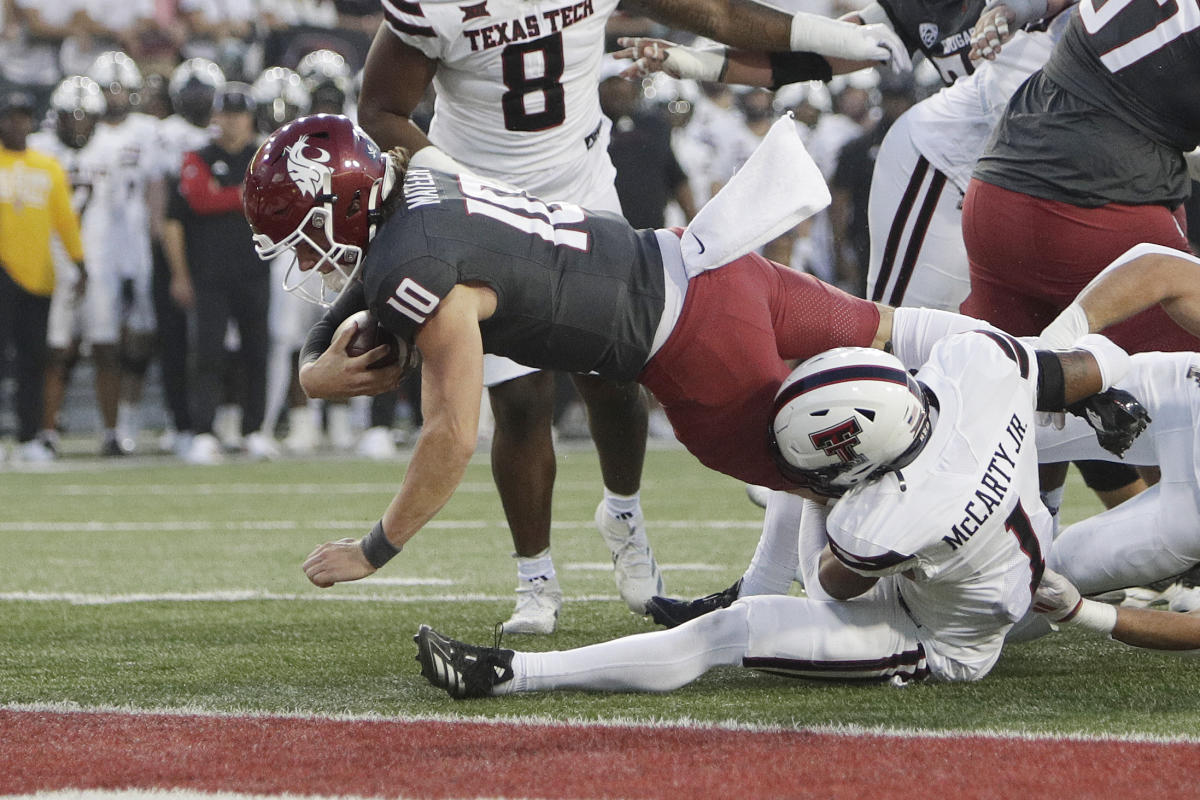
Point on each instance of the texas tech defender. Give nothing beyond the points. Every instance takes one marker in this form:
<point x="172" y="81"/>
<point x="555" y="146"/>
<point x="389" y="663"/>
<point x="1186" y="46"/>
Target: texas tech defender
<point x="937" y="536"/>
<point x="517" y="101"/>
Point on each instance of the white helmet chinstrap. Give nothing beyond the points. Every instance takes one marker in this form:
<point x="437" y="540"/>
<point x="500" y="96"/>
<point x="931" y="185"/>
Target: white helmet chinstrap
<point x="846" y="416"/>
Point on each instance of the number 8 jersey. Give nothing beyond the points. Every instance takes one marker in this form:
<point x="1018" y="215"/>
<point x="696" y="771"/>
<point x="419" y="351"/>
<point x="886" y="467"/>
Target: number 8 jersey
<point x="516" y="80"/>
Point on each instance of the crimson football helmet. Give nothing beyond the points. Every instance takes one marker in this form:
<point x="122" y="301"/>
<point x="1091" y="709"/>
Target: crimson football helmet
<point x="317" y="183"/>
<point x="845" y="417"/>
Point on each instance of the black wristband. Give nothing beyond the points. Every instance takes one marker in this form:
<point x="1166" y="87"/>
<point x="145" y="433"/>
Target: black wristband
<point x="1051" y="386"/>
<point x="376" y="547"/>
<point x="796" y="67"/>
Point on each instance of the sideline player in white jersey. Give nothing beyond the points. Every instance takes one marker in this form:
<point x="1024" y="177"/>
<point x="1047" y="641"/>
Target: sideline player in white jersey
<point x="517" y="101"/>
<point x="77" y="104"/>
<point x="933" y="550"/>
<point x="123" y="146"/>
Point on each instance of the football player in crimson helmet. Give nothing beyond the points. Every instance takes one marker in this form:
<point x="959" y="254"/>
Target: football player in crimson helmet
<point x="316" y="187"/>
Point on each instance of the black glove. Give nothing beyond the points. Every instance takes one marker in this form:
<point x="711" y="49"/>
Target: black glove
<point x="1117" y="417"/>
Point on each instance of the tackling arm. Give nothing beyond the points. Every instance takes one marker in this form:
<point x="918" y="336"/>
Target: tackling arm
<point x="1144" y="276"/>
<point x="394" y="81"/>
<point x="751" y="25"/>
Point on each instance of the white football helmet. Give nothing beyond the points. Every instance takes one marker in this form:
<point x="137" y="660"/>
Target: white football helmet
<point x="192" y="87"/>
<point x="115" y="70"/>
<point x="281" y="97"/>
<point x="846" y="416"/>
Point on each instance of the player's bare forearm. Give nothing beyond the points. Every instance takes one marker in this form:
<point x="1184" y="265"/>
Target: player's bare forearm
<point x="1081" y="375"/>
<point x="740" y="23"/>
<point x="1173" y="282"/>
<point x="1157" y="630"/>
<point x="394" y="80"/>
<point x="451" y="384"/>
<point x="839" y="581"/>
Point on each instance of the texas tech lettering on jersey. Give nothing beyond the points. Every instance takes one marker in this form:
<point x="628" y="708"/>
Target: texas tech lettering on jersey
<point x="530" y="26"/>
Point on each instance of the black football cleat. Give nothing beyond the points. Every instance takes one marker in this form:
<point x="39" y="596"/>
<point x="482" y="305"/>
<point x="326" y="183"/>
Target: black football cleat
<point x="463" y="670"/>
<point x="669" y="612"/>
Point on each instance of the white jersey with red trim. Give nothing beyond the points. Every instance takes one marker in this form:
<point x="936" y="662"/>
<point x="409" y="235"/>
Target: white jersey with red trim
<point x="516" y="82"/>
<point x="963" y="525"/>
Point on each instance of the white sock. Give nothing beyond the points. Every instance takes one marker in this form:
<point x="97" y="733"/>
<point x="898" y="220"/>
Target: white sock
<point x="773" y="567"/>
<point x="540" y="565"/>
<point x="622" y="506"/>
<point x="129" y="419"/>
<point x="648" y="662"/>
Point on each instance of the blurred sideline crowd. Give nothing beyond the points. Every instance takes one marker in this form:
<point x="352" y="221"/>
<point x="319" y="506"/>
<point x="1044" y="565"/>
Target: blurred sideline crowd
<point x="153" y="110"/>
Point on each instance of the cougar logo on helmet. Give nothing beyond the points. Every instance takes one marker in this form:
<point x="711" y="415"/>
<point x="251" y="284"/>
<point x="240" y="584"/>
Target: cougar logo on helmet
<point x="308" y="173"/>
<point x="839" y="440"/>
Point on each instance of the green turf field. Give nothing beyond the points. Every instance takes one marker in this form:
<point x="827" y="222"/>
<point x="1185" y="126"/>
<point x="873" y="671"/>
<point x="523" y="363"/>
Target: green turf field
<point x="156" y="585"/>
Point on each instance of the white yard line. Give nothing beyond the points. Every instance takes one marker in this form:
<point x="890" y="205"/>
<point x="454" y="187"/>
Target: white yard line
<point x="40" y="526"/>
<point x="254" y="595"/>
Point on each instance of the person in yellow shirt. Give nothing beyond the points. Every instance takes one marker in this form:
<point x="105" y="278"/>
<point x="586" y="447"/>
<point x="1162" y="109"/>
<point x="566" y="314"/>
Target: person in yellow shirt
<point x="35" y="204"/>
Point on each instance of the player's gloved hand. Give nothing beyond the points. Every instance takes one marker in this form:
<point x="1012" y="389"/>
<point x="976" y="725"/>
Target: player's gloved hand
<point x="1117" y="417"/>
<point x="1056" y="597"/>
<point x="678" y="61"/>
<point x="812" y="33"/>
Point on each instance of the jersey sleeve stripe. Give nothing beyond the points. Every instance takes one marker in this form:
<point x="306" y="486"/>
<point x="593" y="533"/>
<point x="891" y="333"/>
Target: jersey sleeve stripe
<point x="1011" y="348"/>
<point x="402" y="7"/>
<point x="908" y="665"/>
<point x="886" y="561"/>
<point x="400" y="26"/>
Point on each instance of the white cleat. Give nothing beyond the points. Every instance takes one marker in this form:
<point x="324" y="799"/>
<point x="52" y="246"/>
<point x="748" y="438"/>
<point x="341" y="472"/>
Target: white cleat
<point x="538" y="604"/>
<point x="634" y="567"/>
<point x="261" y="447"/>
<point x="377" y="444"/>
<point x="205" y="450"/>
<point x="1182" y="598"/>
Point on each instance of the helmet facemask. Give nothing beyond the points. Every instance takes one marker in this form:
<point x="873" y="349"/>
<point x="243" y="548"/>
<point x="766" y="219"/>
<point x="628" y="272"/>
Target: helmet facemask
<point x="315" y="285"/>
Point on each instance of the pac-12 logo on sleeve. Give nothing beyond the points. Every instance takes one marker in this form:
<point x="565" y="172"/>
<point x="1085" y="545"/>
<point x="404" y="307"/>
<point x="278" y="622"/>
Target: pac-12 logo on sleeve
<point x="310" y="172"/>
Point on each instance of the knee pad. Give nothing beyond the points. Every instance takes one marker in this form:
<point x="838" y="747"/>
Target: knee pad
<point x="1106" y="476"/>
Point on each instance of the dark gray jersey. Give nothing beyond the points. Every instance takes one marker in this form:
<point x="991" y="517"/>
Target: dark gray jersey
<point x="1111" y="114"/>
<point x="576" y="290"/>
<point x="941" y="29"/>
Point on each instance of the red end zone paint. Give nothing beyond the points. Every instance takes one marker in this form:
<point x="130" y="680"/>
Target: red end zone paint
<point x="44" y="751"/>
